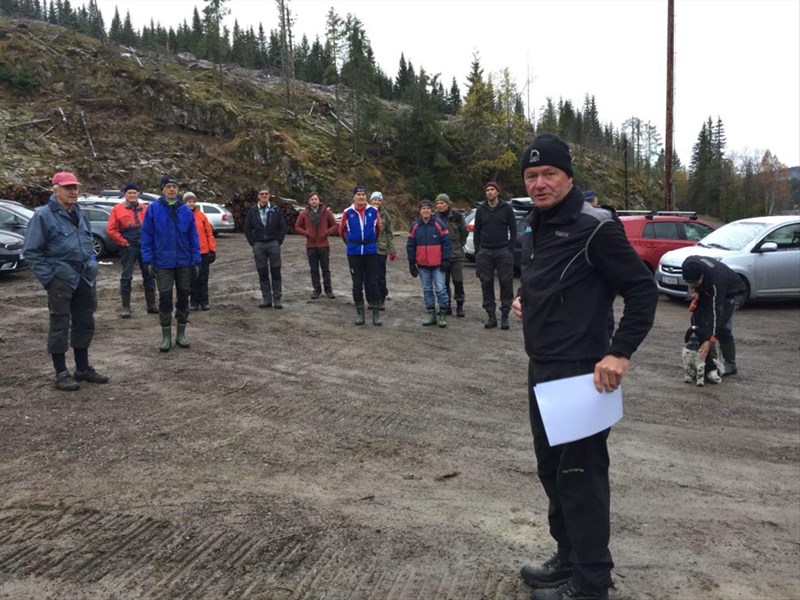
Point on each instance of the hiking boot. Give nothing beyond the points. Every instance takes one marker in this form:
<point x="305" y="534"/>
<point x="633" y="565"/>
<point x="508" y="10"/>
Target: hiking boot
<point x="330" y="295"/>
<point x="449" y="310"/>
<point x="277" y="304"/>
<point x="91" y="376"/>
<point x="504" y="321"/>
<point x="205" y="306"/>
<point x="265" y="304"/>
<point x="194" y="306"/>
<point x="66" y="382"/>
<point x="551" y="573"/>
<point x="315" y="294"/>
<point x="431" y="320"/>
<point x="490" y="322"/>
<point x="460" y="310"/>
<point x="569" y="591"/>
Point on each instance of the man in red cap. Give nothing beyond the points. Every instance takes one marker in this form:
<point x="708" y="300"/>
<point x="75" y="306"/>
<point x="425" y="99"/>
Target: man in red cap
<point x="495" y="234"/>
<point x="60" y="250"/>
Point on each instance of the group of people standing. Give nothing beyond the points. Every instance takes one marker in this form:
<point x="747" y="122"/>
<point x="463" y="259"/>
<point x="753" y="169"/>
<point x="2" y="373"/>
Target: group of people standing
<point x="577" y="260"/>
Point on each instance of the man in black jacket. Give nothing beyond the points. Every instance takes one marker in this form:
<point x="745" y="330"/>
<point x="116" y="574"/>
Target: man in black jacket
<point x="265" y="228"/>
<point x="579" y="258"/>
<point x="495" y="234"/>
<point x="718" y="290"/>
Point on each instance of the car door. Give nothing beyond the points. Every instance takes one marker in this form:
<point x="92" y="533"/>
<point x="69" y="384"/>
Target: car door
<point x="659" y="237"/>
<point x="12" y="222"/>
<point x="777" y="273"/>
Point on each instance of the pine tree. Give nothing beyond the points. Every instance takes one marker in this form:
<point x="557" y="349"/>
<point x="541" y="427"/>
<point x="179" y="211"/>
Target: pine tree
<point x="115" y="32"/>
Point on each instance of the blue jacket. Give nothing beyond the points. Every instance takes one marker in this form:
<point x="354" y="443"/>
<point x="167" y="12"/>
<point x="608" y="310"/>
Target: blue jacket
<point x="55" y="248"/>
<point x="361" y="235"/>
<point x="169" y="236"/>
<point x="428" y="244"/>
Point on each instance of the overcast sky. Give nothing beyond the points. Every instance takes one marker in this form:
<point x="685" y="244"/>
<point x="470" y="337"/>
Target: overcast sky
<point x="734" y="59"/>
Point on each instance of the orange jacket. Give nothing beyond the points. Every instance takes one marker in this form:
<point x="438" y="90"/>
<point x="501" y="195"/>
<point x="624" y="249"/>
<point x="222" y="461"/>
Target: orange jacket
<point x="204" y="232"/>
<point x="122" y="225"/>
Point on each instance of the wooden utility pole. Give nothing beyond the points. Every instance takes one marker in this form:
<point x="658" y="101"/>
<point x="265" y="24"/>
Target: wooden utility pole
<point x="668" y="152"/>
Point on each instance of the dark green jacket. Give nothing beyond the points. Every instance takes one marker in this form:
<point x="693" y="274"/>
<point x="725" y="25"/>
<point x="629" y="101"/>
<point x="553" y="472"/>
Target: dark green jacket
<point x="458" y="232"/>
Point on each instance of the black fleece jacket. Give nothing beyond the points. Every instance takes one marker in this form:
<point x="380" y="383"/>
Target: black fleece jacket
<point x="568" y="285"/>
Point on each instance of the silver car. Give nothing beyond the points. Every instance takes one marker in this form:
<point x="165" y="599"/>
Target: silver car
<point x="763" y="251"/>
<point x="221" y="218"/>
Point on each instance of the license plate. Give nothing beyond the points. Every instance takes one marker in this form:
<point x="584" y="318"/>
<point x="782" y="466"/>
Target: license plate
<point x="669" y="280"/>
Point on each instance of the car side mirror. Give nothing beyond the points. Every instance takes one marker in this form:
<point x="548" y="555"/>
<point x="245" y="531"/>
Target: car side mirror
<point x="768" y="247"/>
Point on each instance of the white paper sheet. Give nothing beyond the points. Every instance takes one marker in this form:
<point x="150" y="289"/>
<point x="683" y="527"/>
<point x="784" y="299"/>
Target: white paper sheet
<point x="573" y="409"/>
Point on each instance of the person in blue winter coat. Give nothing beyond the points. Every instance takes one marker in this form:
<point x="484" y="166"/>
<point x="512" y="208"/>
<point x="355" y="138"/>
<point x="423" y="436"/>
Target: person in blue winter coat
<point x="59" y="249"/>
<point x="428" y="250"/>
<point x="171" y="252"/>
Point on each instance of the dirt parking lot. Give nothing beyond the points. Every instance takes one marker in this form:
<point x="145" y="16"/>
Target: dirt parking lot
<point x="291" y="455"/>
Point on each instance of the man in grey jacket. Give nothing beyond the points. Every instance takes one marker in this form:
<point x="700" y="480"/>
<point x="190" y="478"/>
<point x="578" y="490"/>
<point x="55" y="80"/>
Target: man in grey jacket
<point x="59" y="248"/>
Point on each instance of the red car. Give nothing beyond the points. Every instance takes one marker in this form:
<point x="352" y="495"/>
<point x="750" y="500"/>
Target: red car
<point x="652" y="233"/>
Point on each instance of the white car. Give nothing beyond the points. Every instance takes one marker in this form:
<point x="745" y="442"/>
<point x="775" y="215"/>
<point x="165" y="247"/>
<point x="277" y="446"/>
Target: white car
<point x="763" y="251"/>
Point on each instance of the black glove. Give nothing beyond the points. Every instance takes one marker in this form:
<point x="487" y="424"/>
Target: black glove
<point x="445" y="265"/>
<point x="212" y="256"/>
<point x="412" y="268"/>
<point x="149" y="271"/>
<point x="195" y="271"/>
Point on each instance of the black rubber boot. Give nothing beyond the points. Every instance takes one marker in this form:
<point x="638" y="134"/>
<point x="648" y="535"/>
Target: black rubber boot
<point x="504" y="320"/>
<point x="180" y="336"/>
<point x="376" y="316"/>
<point x="431" y="320"/>
<point x="166" y="339"/>
<point x="729" y="355"/>
<point x="460" y="310"/>
<point x="359" y="314"/>
<point x="150" y="299"/>
<point x="125" y="313"/>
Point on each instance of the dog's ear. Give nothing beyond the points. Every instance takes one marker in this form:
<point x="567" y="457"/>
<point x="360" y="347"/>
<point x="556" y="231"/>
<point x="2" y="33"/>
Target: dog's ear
<point x="688" y="335"/>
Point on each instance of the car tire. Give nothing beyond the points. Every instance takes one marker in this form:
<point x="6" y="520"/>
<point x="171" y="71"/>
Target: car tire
<point x="741" y="303"/>
<point x="99" y="246"/>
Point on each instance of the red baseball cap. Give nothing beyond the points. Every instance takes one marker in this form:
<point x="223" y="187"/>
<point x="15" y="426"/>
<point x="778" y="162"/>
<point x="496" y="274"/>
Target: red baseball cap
<point x="64" y="178"/>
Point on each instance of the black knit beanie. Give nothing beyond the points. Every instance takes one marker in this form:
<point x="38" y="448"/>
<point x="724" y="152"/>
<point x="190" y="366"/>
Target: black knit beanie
<point x="547" y="150"/>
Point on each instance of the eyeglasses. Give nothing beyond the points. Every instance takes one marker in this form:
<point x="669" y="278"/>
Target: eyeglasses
<point x="263" y="193"/>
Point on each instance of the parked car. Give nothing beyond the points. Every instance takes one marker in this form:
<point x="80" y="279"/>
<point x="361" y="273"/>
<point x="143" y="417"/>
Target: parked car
<point x="98" y="216"/>
<point x="143" y="196"/>
<point x="522" y="207"/>
<point x="763" y="251"/>
<point x="105" y="201"/>
<point x="652" y="233"/>
<point x="11" y="259"/>
<point x="221" y="218"/>
<point x="14" y="216"/>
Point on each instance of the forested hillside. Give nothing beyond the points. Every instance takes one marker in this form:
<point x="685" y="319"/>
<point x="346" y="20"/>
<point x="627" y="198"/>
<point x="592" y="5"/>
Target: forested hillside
<point x="228" y="109"/>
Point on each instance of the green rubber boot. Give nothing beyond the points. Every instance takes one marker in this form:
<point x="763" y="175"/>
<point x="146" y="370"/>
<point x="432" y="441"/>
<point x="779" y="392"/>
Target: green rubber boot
<point x="180" y="336"/>
<point x="431" y="320"/>
<point x="442" y="318"/>
<point x="359" y="314"/>
<point x="376" y="316"/>
<point x="166" y="339"/>
<point x="729" y="356"/>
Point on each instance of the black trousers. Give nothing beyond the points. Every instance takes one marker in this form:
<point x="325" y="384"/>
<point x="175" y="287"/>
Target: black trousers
<point x="487" y="262"/>
<point x="71" y="315"/>
<point x="364" y="272"/>
<point x="199" y="288"/>
<point x="455" y="272"/>
<point x="319" y="260"/>
<point x="575" y="478"/>
<point x="267" y="256"/>
<point x="181" y="280"/>
<point x="383" y="291"/>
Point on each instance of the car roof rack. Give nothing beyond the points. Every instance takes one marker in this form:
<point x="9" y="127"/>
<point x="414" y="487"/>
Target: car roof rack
<point x="649" y="214"/>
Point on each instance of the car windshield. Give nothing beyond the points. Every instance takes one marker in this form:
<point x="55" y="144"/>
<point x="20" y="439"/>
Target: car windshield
<point x="734" y="236"/>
